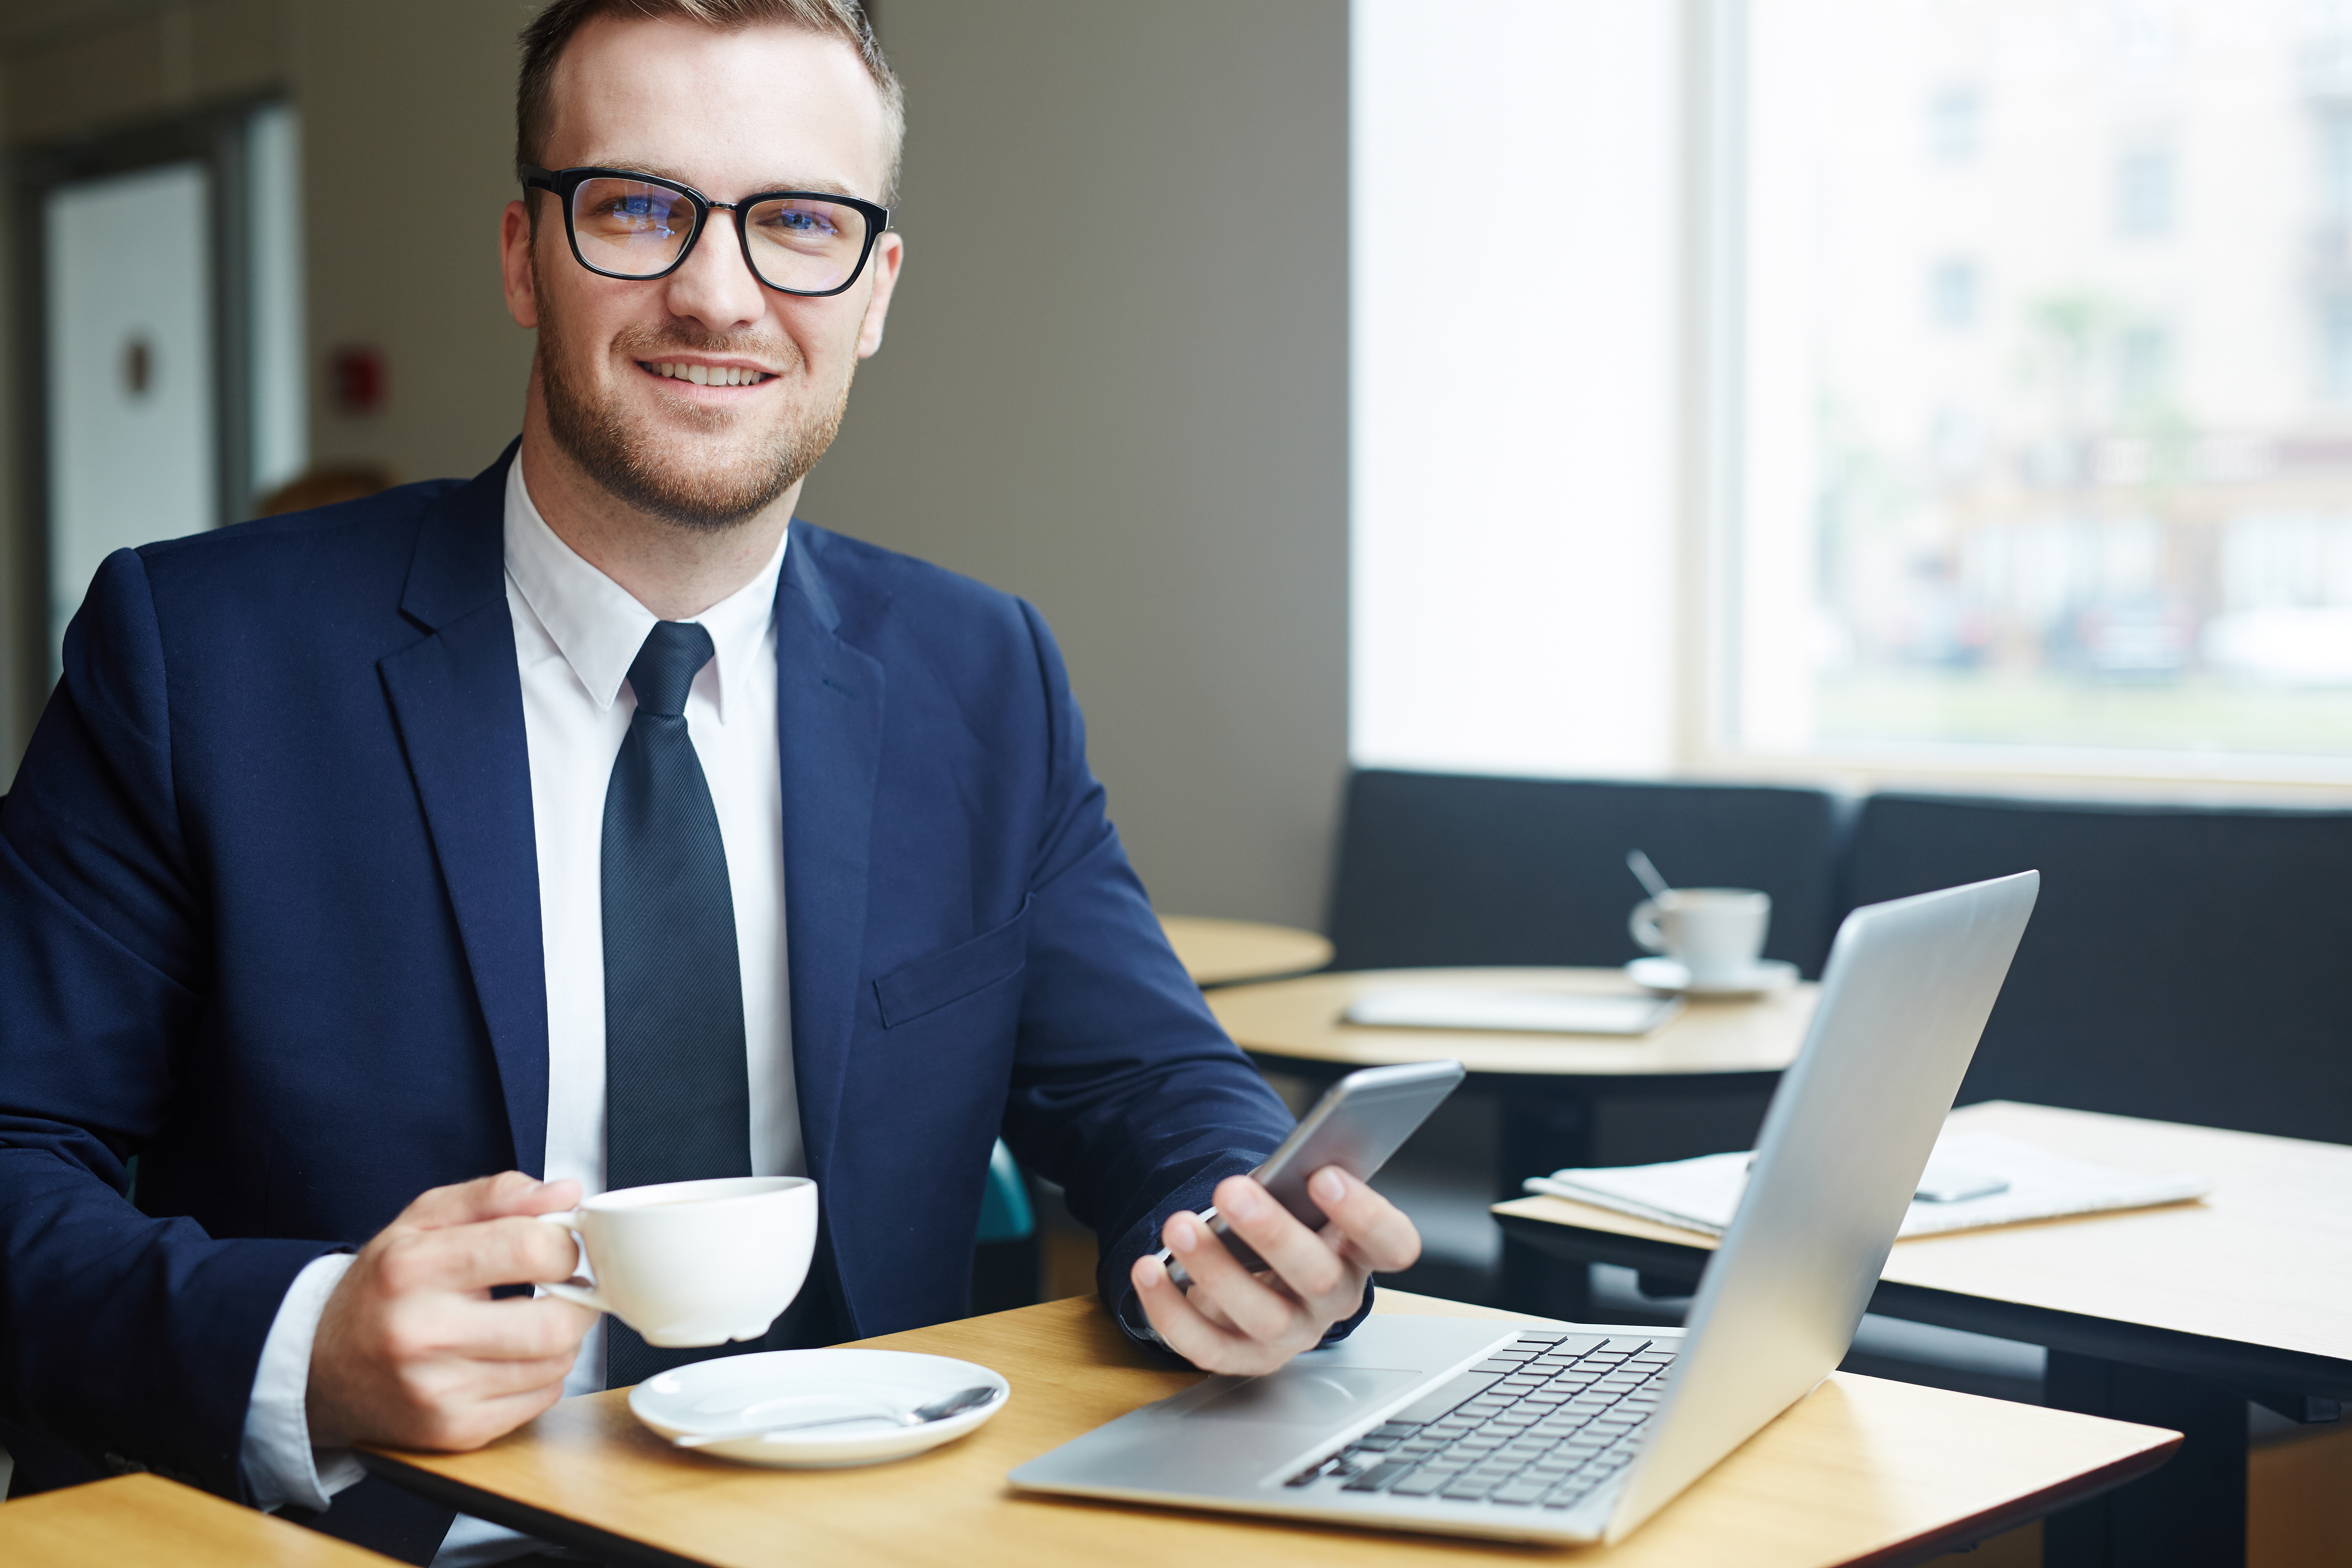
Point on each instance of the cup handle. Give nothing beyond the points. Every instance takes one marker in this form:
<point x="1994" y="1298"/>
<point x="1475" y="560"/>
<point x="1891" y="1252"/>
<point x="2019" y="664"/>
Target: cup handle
<point x="576" y="1291"/>
<point x="1643" y="923"/>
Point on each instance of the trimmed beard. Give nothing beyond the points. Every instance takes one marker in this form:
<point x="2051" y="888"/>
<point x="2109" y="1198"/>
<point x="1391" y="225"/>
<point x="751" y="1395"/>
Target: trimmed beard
<point x="655" y="472"/>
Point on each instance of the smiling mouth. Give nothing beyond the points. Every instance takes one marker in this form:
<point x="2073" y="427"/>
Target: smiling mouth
<point x="707" y="374"/>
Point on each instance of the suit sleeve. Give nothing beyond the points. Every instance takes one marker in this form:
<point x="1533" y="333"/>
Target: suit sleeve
<point x="132" y="1339"/>
<point x="1127" y="1092"/>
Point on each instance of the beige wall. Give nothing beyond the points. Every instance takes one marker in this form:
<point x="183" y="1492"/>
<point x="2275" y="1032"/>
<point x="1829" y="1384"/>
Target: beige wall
<point x="1116" y="383"/>
<point x="408" y="158"/>
<point x="1116" y="378"/>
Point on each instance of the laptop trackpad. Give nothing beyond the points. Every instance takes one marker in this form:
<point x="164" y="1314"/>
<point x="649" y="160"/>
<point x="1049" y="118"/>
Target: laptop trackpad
<point x="1303" y="1394"/>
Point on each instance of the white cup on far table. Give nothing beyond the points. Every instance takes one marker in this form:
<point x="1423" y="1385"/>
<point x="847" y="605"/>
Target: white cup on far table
<point x="1717" y="934"/>
<point x="694" y="1263"/>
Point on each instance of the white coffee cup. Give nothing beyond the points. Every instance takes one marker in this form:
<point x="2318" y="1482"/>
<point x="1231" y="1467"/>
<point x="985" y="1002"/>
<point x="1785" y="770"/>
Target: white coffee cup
<point x="694" y="1263"/>
<point x="1715" y="933"/>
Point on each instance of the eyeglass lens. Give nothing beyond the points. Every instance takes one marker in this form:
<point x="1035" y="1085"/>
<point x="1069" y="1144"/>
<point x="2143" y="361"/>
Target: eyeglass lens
<point x="634" y="229"/>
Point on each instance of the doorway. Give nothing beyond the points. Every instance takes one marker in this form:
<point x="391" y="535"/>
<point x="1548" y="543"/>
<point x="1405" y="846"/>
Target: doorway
<point x="165" y="313"/>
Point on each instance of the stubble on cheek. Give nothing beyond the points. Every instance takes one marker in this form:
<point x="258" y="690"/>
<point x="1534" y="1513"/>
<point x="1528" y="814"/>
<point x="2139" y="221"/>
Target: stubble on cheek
<point x="708" y="469"/>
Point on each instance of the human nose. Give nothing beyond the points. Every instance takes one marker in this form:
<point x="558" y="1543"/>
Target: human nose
<point x="715" y="286"/>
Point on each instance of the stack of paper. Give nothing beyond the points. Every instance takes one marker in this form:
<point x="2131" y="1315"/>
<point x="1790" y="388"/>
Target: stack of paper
<point x="1703" y="1194"/>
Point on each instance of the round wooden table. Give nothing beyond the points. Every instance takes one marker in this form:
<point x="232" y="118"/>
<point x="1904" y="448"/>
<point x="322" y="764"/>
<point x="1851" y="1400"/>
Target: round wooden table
<point x="1222" y="952"/>
<point x="1549" y="1088"/>
<point x="1302" y="1021"/>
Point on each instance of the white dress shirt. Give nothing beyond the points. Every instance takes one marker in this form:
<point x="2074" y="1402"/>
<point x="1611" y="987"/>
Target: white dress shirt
<point x="576" y="633"/>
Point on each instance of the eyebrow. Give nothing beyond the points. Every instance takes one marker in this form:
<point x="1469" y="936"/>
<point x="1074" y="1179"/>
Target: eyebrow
<point x="822" y="184"/>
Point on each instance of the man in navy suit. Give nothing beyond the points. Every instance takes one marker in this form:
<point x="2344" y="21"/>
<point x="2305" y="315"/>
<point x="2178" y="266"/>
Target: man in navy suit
<point x="382" y="877"/>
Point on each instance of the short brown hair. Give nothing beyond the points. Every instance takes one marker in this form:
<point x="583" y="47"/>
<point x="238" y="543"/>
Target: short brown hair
<point x="543" y="41"/>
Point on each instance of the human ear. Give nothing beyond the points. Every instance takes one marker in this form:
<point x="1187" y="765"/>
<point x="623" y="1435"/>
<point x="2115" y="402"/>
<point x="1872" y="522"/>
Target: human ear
<point x="890" y="250"/>
<point x="515" y="240"/>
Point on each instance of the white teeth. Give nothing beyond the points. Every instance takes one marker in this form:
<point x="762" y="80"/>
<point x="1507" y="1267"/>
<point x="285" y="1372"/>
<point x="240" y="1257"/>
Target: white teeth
<point x="706" y="375"/>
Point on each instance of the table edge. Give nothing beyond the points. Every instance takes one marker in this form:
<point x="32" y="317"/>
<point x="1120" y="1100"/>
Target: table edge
<point x="1213" y="982"/>
<point x="1698" y="1080"/>
<point x="1959" y="1535"/>
<point x="1964" y="1534"/>
<point x="553" y="1528"/>
<point x="2244" y="1363"/>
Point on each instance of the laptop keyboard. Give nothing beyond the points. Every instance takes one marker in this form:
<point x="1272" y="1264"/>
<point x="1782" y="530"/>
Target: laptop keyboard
<point x="1540" y="1423"/>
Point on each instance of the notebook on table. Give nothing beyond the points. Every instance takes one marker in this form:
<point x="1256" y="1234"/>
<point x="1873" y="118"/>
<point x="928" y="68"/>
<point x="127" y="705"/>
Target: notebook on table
<point x="1518" y="1012"/>
<point x="1972" y="1180"/>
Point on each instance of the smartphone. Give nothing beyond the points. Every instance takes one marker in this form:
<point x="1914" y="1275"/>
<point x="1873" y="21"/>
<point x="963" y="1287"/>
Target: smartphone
<point x="1359" y="1121"/>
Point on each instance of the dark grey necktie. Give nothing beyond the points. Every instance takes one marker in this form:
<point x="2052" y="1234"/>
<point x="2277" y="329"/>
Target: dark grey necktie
<point x="676" y="1099"/>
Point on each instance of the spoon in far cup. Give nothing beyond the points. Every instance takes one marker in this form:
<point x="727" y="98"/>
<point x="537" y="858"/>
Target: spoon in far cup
<point x="1639" y="864"/>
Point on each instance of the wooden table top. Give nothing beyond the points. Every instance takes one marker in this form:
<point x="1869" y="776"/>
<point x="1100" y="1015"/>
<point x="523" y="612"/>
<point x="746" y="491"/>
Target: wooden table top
<point x="146" y="1519"/>
<point x="1300" y="1018"/>
<point x="1860" y="1470"/>
<point x="2265" y="1260"/>
<point x="1220" y="953"/>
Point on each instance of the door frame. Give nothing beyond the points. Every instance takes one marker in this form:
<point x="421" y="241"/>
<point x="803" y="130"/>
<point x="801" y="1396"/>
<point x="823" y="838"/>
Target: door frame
<point x="214" y="136"/>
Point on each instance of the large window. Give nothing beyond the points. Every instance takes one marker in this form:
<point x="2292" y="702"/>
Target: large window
<point x="1913" y="387"/>
<point x="2044" y="361"/>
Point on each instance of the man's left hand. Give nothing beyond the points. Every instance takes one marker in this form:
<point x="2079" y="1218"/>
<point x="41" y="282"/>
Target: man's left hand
<point x="1237" y="1321"/>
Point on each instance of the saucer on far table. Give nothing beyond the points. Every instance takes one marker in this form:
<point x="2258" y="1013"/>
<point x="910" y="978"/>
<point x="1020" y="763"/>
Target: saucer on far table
<point x="1666" y="974"/>
<point x="738" y="1391"/>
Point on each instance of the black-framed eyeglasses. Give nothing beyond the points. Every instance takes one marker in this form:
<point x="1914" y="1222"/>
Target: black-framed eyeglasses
<point x="625" y="225"/>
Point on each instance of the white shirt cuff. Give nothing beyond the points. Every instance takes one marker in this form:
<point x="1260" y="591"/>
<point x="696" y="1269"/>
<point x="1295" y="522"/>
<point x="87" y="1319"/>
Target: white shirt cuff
<point x="280" y="1466"/>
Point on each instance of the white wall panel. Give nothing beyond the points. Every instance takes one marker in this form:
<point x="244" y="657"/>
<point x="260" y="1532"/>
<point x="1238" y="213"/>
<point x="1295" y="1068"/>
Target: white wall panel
<point x="1514" y="221"/>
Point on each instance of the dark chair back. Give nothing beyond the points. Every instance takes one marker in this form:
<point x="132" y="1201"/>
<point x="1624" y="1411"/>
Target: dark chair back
<point x="1445" y="868"/>
<point x="2187" y="964"/>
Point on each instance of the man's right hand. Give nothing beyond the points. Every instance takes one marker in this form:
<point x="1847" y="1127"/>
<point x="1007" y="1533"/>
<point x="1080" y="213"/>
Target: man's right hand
<point x="413" y="1350"/>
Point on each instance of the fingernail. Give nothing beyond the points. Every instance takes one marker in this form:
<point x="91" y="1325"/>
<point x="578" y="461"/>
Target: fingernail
<point x="1184" y="1233"/>
<point x="1245" y="1202"/>
<point x="1329" y="1186"/>
<point x="1148" y="1272"/>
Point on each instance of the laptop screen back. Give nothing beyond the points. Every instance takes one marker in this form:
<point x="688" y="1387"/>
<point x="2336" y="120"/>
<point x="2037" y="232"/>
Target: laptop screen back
<point x="1904" y="999"/>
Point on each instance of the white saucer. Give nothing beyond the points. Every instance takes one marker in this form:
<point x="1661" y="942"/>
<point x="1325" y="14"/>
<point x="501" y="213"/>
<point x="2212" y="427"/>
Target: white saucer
<point x="720" y="1395"/>
<point x="1668" y="975"/>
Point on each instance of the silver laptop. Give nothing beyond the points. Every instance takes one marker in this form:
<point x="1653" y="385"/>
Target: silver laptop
<point x="1475" y="1427"/>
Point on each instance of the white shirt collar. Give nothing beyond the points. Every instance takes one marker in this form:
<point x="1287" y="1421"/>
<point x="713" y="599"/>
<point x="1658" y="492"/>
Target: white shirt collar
<point x="598" y="626"/>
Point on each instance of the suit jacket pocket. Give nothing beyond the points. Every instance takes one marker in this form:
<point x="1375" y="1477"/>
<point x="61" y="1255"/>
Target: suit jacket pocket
<point x="930" y="984"/>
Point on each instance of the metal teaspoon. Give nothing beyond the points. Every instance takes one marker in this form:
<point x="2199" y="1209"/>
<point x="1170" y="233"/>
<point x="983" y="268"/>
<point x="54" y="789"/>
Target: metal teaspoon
<point x="939" y="1409"/>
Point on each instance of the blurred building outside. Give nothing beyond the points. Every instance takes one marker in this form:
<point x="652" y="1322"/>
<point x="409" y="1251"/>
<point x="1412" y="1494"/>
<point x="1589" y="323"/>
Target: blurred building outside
<point x="2047" y="388"/>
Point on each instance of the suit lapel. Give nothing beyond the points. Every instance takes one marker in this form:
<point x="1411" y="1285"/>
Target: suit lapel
<point x="457" y="700"/>
<point x="829" y="723"/>
<point x="456" y="697"/>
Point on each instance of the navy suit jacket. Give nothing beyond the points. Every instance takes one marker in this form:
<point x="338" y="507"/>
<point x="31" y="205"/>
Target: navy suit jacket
<point x="269" y="920"/>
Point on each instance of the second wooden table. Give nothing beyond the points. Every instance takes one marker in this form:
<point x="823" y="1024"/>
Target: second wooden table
<point x="1548" y="1086"/>
<point x="1225" y="953"/>
<point x="2173" y="1315"/>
